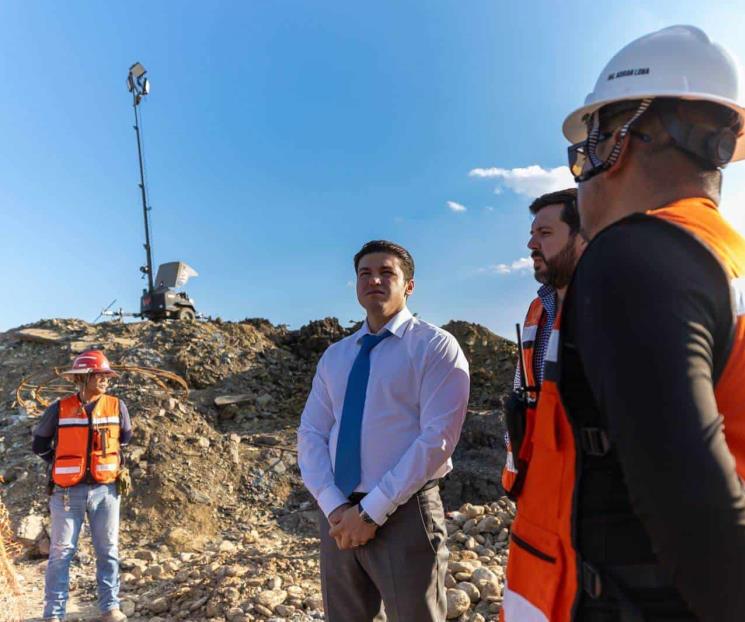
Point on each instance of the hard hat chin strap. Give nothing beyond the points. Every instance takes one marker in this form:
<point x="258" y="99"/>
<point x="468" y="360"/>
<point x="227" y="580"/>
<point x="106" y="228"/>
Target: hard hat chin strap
<point x="599" y="165"/>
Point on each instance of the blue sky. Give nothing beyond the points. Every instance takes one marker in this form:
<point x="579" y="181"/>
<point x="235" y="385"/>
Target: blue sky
<point x="280" y="136"/>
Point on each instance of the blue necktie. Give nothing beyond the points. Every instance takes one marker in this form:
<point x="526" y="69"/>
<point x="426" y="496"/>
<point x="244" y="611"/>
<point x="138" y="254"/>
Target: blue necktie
<point x="347" y="469"/>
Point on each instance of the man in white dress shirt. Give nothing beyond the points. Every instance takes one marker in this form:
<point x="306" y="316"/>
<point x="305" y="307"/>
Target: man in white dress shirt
<point x="378" y="430"/>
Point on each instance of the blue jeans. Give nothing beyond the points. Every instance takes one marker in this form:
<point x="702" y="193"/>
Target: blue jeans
<point x="68" y="507"/>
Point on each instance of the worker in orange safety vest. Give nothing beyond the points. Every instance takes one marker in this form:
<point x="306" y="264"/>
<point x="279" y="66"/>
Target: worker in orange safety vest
<point x="555" y="246"/>
<point x="82" y="436"/>
<point x="633" y="506"/>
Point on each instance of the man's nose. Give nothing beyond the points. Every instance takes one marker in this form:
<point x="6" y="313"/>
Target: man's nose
<point x="532" y="243"/>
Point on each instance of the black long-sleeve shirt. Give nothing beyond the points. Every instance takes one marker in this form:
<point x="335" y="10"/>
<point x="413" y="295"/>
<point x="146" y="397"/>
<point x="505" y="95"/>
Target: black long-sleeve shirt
<point x="649" y="312"/>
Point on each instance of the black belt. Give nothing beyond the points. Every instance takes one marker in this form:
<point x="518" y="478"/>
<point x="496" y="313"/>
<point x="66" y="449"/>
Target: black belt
<point x="356" y="497"/>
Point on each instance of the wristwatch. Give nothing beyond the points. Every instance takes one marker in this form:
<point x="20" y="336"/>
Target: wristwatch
<point x="365" y="516"/>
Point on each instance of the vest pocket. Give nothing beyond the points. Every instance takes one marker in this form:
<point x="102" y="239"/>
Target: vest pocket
<point x="104" y="468"/>
<point x="67" y="470"/>
<point x="534" y="569"/>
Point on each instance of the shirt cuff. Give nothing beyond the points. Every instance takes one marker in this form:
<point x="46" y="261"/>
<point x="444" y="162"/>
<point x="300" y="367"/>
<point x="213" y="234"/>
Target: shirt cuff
<point x="330" y="499"/>
<point x="378" y="506"/>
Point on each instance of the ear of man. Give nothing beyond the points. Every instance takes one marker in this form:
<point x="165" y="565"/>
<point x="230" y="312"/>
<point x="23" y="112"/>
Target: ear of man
<point x="662" y="162"/>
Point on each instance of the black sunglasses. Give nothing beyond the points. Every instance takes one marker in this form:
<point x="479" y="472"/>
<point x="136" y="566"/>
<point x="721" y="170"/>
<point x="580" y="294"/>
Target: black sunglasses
<point x="577" y="153"/>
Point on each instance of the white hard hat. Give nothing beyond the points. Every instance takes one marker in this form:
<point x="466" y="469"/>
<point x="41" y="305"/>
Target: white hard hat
<point x="678" y="62"/>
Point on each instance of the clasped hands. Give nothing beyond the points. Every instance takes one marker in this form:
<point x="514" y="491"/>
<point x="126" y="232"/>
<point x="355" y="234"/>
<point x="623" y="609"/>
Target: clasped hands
<point x="348" y="528"/>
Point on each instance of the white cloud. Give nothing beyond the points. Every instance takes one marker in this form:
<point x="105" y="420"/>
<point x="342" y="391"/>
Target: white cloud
<point x="488" y="208"/>
<point x="531" y="181"/>
<point x="456" y="207"/>
<point x="519" y="265"/>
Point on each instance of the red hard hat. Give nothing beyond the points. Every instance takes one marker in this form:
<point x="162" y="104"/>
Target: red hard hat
<point x="91" y="362"/>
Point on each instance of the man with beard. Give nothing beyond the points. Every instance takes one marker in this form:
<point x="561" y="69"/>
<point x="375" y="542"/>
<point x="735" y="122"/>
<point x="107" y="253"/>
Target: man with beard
<point x="556" y="245"/>
<point x="633" y="507"/>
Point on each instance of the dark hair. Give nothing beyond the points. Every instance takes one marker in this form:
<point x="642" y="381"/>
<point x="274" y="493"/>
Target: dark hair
<point x="384" y="246"/>
<point x="567" y="198"/>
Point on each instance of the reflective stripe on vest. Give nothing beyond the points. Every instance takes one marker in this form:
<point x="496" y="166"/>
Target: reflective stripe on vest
<point x="515" y="607"/>
<point x="551" y="359"/>
<point x="74" y="421"/>
<point x="530" y="332"/>
<point x="66" y="470"/>
<point x="76" y="452"/>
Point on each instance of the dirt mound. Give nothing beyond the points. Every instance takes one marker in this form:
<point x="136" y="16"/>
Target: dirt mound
<point x="492" y="360"/>
<point x="219" y="459"/>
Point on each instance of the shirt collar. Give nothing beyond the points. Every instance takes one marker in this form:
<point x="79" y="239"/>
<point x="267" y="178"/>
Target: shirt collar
<point x="546" y="293"/>
<point x="396" y="325"/>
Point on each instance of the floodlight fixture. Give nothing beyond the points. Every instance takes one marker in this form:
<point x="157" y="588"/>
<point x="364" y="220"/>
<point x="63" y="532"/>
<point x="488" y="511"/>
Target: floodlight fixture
<point x="137" y="83"/>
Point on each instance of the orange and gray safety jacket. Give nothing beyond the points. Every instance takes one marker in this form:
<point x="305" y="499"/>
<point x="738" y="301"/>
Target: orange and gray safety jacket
<point x="632" y="508"/>
<point x="521" y="405"/>
<point x="87" y="445"/>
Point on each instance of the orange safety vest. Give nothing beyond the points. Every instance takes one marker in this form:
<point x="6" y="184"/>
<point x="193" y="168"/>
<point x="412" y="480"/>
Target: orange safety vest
<point x="514" y="471"/>
<point x="542" y="578"/>
<point x="87" y="444"/>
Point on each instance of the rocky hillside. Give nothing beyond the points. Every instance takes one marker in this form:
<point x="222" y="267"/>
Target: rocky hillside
<point x="219" y="525"/>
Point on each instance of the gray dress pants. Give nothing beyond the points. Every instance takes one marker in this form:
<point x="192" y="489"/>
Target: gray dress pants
<point x="399" y="576"/>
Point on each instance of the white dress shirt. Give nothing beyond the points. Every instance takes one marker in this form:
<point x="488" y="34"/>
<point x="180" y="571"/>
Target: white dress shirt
<point x="415" y="405"/>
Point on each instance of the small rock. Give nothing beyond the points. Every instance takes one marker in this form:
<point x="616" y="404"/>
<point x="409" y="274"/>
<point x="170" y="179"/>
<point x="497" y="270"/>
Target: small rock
<point x="482" y="575"/>
<point x="30" y="529"/>
<point x="471" y="590"/>
<point x="491" y="591"/>
<point x="148" y="556"/>
<point x="226" y="546"/>
<point x="155" y="571"/>
<point x="314" y="603"/>
<point x="271" y="598"/>
<point x="458" y="603"/>
<point x="159" y="605"/>
<point x="127" y="607"/>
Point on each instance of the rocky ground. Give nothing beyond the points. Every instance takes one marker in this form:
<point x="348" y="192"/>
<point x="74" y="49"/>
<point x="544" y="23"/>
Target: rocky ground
<point x="219" y="526"/>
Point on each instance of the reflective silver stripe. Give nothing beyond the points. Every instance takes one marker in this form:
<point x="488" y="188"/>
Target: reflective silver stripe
<point x="552" y="351"/>
<point x="106" y="467"/>
<point x="517" y="608"/>
<point x="105" y="420"/>
<point x="530" y="332"/>
<point x="738" y="292"/>
<point x="74" y="421"/>
<point x="66" y="470"/>
<point x="510" y="463"/>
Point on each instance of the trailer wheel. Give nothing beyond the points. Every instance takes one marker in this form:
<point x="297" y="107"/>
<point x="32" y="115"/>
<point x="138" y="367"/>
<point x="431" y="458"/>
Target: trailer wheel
<point x="185" y="314"/>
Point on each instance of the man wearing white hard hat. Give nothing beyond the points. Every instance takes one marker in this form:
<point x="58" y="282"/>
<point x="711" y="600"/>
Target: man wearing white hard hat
<point x="81" y="436"/>
<point x="633" y="508"/>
